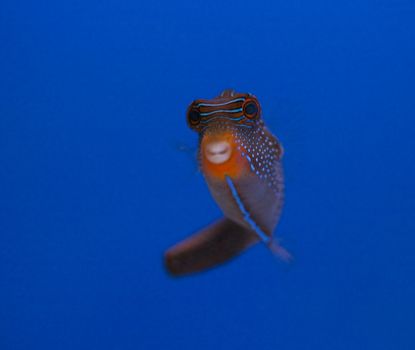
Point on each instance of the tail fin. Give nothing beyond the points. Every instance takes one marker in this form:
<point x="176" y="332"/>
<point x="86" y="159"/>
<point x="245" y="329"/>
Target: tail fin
<point x="209" y="247"/>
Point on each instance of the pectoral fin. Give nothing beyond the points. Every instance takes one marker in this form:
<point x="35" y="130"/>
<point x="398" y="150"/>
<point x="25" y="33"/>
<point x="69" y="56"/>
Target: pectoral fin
<point x="209" y="247"/>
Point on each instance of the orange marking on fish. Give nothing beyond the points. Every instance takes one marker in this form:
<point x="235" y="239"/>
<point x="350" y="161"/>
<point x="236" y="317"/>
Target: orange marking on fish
<point x="221" y="157"/>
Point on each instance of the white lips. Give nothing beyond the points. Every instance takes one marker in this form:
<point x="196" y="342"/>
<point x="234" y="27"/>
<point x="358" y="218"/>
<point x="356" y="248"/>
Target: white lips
<point x="218" y="152"/>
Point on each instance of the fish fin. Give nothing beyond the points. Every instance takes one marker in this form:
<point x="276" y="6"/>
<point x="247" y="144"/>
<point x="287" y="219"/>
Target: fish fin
<point x="211" y="246"/>
<point x="279" y="251"/>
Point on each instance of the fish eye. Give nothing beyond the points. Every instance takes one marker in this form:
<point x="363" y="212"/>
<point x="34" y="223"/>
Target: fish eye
<point x="193" y="116"/>
<point x="251" y="109"/>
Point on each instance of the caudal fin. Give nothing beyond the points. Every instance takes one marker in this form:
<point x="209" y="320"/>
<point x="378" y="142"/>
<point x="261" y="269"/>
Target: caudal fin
<point x="209" y="247"/>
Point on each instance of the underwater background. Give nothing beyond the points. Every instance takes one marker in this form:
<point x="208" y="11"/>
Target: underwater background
<point x="98" y="175"/>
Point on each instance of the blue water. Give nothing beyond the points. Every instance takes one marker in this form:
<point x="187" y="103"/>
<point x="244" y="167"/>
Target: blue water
<point x="94" y="185"/>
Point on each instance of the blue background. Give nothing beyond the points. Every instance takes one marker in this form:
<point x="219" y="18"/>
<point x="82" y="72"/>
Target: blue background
<point x="94" y="185"/>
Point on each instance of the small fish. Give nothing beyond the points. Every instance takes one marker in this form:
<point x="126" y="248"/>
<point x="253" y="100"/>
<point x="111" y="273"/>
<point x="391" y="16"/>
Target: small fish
<point x="241" y="162"/>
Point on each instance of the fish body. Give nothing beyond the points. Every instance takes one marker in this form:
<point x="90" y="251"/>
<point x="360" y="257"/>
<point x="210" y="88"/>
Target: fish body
<point x="241" y="162"/>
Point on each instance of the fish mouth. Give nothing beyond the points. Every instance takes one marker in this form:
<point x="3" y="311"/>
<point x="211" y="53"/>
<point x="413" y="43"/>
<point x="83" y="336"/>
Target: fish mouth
<point x="218" y="152"/>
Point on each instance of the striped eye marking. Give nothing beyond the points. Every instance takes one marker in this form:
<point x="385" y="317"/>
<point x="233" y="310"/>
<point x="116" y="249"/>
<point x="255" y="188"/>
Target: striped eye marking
<point x="193" y="117"/>
<point x="229" y="107"/>
<point x="251" y="109"/>
<point x="203" y="104"/>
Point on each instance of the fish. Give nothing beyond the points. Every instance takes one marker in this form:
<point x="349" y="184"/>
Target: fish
<point x="241" y="161"/>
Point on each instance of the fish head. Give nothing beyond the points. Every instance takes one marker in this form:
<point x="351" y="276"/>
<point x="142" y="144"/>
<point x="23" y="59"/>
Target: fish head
<point x="222" y="123"/>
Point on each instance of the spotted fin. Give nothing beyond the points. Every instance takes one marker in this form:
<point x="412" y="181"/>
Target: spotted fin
<point x="209" y="247"/>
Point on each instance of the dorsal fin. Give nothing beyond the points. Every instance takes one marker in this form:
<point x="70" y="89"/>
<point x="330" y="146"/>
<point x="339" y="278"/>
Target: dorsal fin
<point x="228" y="93"/>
